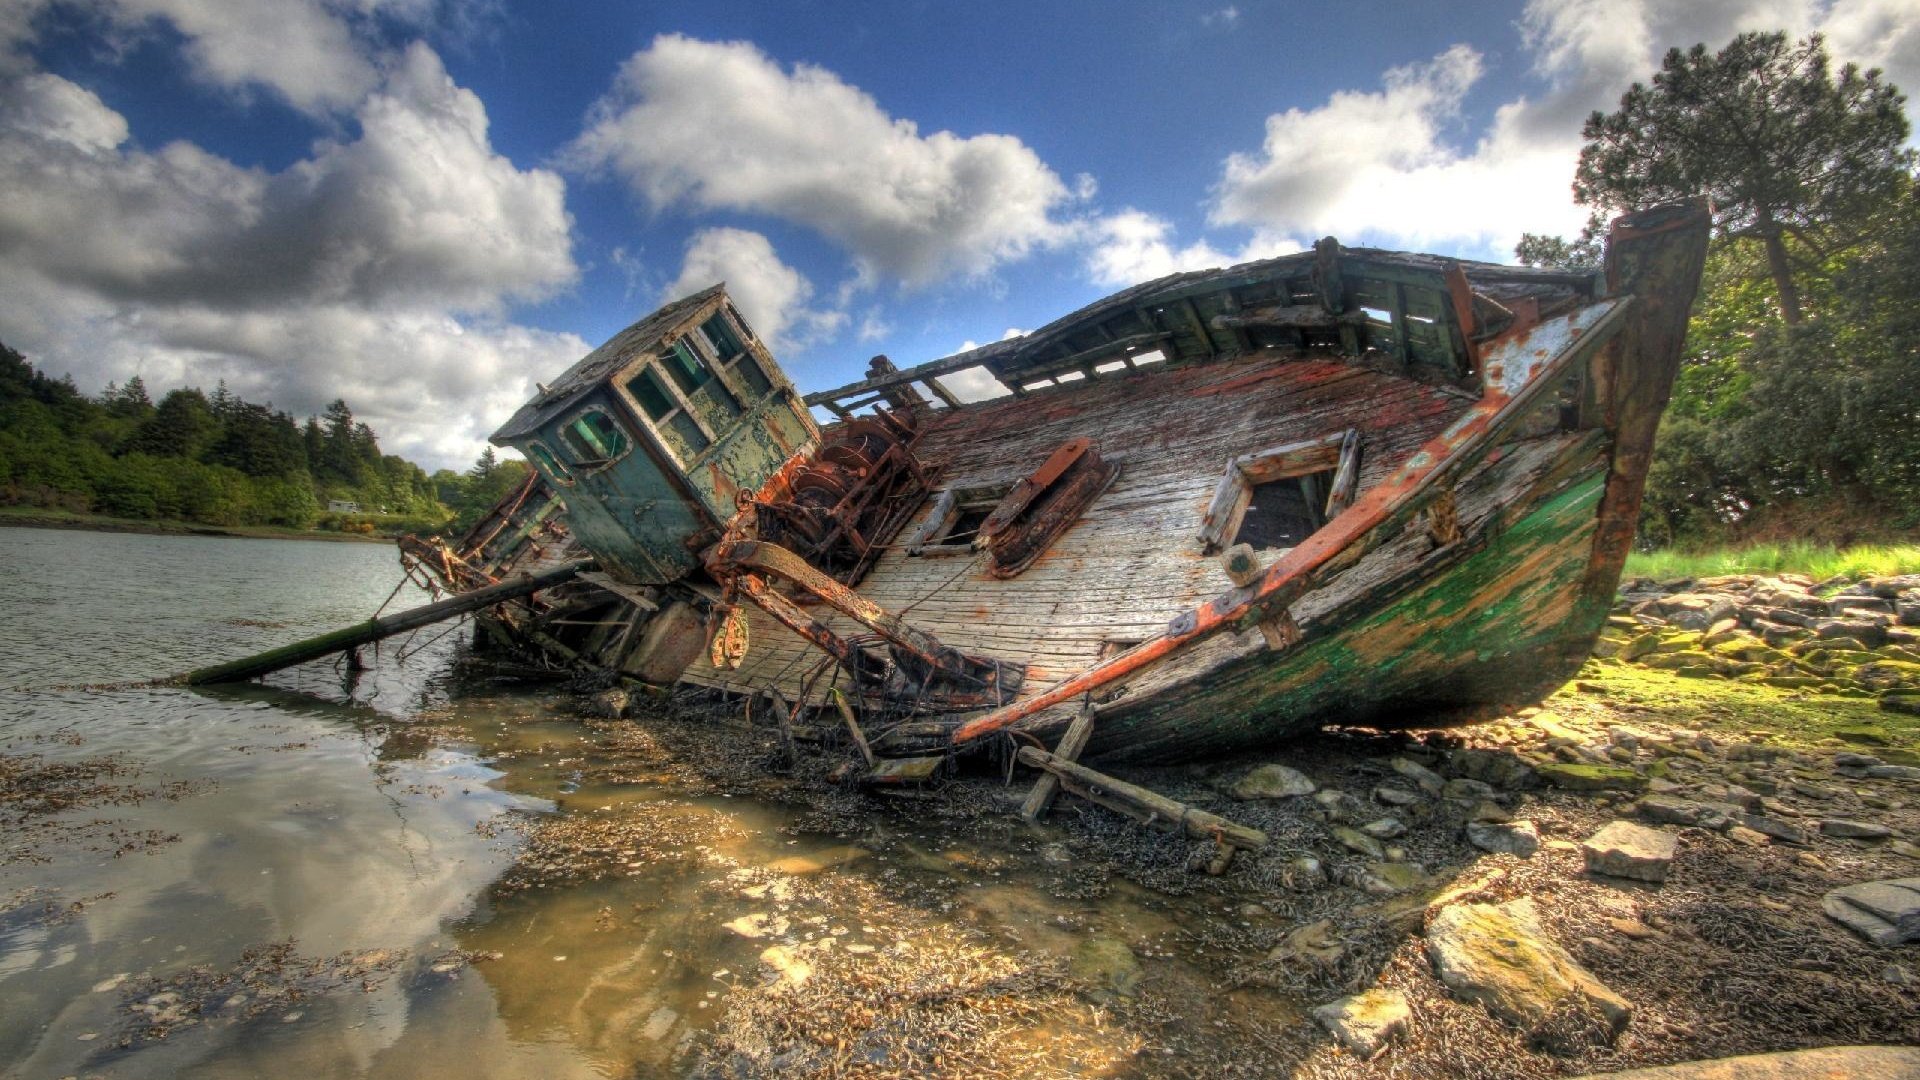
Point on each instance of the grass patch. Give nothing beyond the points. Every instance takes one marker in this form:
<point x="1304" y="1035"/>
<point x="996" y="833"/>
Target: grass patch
<point x="1817" y="561"/>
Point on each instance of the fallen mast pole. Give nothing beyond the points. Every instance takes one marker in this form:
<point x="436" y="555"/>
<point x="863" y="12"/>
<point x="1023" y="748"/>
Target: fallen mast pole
<point x="380" y="627"/>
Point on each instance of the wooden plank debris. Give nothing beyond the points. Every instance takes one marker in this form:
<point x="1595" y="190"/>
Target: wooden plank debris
<point x="1069" y="748"/>
<point x="1147" y="807"/>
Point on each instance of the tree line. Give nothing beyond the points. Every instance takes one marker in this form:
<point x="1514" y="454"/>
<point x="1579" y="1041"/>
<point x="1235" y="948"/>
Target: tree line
<point x="1797" y="408"/>
<point x="217" y="459"/>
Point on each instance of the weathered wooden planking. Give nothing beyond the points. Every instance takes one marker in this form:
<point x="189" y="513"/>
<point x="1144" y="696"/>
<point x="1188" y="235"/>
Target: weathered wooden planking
<point x="1132" y="560"/>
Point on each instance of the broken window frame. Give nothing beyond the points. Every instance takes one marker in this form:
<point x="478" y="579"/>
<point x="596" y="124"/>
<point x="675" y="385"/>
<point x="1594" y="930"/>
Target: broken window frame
<point x="926" y="540"/>
<point x="732" y="357"/>
<point x="579" y="451"/>
<point x="675" y="441"/>
<point x="1340" y="452"/>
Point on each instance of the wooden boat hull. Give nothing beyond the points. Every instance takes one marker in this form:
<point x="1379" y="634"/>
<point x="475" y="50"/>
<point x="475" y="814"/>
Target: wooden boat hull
<point x="1467" y="563"/>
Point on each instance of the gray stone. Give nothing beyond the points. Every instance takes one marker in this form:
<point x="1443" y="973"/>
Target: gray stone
<point x="1499" y="956"/>
<point x="1504" y="838"/>
<point x="1625" y="850"/>
<point x="1854" y="830"/>
<point x="1468" y="789"/>
<point x="1826" y="1063"/>
<point x="1883" y="912"/>
<point x="1666" y="810"/>
<point x="1774" y="827"/>
<point x="1108" y="965"/>
<point x="1847" y="759"/>
<point x="1341" y="806"/>
<point x="1428" y="780"/>
<point x="1388" y="878"/>
<point x="608" y="704"/>
<point x="1894" y="772"/>
<point x="1355" y="840"/>
<point x="1274" y="782"/>
<point x="1394" y="796"/>
<point x="1386" y="828"/>
<point x="1366" y="1022"/>
<point x="1304" y="873"/>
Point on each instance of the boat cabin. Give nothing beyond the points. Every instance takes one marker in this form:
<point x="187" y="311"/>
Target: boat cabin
<point x="650" y="439"/>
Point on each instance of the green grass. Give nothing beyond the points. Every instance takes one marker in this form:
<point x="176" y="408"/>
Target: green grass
<point x="1817" y="561"/>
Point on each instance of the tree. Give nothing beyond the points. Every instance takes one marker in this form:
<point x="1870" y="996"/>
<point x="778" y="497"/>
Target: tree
<point x="1783" y="147"/>
<point x="1535" y="249"/>
<point x="181" y="426"/>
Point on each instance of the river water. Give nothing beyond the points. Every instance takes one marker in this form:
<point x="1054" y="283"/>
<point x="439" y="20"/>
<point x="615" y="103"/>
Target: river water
<point x="317" y="875"/>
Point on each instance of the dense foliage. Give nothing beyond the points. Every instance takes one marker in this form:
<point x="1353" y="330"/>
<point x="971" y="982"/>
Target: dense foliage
<point x="1797" y="409"/>
<point x="1786" y="149"/>
<point x="214" y="459"/>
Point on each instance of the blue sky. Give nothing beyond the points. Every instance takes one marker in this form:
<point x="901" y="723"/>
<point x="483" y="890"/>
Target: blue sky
<point x="427" y="205"/>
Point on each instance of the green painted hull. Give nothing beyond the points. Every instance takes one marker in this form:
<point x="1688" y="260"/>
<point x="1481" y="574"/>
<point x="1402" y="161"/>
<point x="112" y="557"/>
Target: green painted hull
<point x="1508" y="622"/>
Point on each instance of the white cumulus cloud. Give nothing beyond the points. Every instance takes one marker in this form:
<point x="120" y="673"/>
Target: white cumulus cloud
<point x="1393" y="164"/>
<point x="377" y="269"/>
<point x="772" y="296"/>
<point x="722" y="126"/>
<point x="1132" y="246"/>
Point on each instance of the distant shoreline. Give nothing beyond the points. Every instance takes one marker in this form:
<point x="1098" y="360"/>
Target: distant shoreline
<point x="38" y="518"/>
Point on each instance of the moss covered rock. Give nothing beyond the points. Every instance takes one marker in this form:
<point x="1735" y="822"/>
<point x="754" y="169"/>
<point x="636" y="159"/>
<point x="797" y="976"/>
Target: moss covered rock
<point x="1590" y="777"/>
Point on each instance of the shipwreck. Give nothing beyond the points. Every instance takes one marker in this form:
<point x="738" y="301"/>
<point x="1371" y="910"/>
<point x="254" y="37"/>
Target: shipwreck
<point x="1345" y="486"/>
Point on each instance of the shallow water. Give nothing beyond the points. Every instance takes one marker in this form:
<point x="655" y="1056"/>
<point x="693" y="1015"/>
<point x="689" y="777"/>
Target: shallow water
<point x="375" y="818"/>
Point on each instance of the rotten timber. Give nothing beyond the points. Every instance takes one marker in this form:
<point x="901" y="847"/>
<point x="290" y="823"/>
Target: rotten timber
<point x="1148" y="807"/>
<point x="382" y="627"/>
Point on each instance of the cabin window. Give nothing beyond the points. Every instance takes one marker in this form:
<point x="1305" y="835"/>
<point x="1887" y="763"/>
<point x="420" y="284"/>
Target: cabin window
<point x="750" y="373"/>
<point x="1277" y="497"/>
<point x="646" y="389"/>
<point x="726" y="344"/>
<point x="593" y="438"/>
<point x="686" y="367"/>
<point x="679" y="431"/>
<point x="547" y="463"/>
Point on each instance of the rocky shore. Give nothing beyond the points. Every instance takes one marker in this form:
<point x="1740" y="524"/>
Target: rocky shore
<point x="1671" y="860"/>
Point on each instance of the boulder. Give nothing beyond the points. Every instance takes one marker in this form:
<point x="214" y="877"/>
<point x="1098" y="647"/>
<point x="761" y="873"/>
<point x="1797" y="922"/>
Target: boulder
<point x="1274" y="782"/>
<point x="1826" y="1063"/>
<point x="1884" y="912"/>
<point x="1504" y="837"/>
<point x="1366" y="1022"/>
<point x="1625" y="850"/>
<point x="1499" y="956"/>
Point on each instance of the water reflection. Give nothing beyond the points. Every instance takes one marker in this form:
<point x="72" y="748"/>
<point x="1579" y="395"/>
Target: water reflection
<point x="384" y="813"/>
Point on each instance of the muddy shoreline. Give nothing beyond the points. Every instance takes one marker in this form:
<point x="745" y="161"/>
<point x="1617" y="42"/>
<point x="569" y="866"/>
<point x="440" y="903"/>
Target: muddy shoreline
<point x="939" y="935"/>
